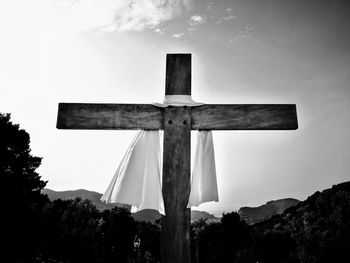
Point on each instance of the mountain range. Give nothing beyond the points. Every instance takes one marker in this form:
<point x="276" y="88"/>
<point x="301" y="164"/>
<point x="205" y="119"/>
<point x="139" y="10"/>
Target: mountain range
<point x="251" y="215"/>
<point x="254" y="215"/>
<point x="143" y="215"/>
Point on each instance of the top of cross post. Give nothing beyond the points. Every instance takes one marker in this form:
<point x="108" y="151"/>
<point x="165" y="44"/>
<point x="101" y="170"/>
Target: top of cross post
<point x="178" y="74"/>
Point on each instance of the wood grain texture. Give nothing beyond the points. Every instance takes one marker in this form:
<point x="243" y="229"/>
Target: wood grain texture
<point x="175" y="234"/>
<point x="245" y="117"/>
<point x="178" y="74"/>
<point x="109" y="116"/>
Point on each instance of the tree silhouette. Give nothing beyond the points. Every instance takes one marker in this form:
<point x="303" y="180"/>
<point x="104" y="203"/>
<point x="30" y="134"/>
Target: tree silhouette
<point x="20" y="194"/>
<point x="79" y="225"/>
<point x="119" y="231"/>
<point x="220" y="242"/>
<point x="149" y="237"/>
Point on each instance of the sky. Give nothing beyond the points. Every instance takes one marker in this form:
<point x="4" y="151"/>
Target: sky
<point x="243" y="51"/>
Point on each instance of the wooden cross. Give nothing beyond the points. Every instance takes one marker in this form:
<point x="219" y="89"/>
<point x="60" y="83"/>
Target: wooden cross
<point x="177" y="123"/>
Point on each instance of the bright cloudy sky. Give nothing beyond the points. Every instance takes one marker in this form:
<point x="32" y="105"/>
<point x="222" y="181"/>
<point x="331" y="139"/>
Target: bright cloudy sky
<point x="243" y="51"/>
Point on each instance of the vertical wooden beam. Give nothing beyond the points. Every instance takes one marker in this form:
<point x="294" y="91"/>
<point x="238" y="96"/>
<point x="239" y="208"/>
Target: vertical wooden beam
<point x="178" y="74"/>
<point x="175" y="235"/>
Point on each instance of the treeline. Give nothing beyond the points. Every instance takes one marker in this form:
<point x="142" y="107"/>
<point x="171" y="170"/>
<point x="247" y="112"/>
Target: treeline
<point x="317" y="230"/>
<point x="75" y="231"/>
<point x="35" y="229"/>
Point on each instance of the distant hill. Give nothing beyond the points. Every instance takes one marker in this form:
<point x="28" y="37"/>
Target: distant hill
<point x="152" y="216"/>
<point x="318" y="229"/>
<point x="143" y="215"/>
<point x="94" y="197"/>
<point x="197" y="215"/>
<point x="254" y="215"/>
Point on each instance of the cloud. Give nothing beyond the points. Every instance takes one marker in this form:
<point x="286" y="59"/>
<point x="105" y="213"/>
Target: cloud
<point x="159" y="31"/>
<point x="178" y="35"/>
<point x="195" y="21"/>
<point x="230" y="17"/>
<point x="225" y="18"/>
<point x="120" y="15"/>
<point x="196" y="18"/>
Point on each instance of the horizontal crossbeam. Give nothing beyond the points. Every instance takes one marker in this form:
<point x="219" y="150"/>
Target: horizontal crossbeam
<point x="245" y="117"/>
<point x="88" y="116"/>
<point x="149" y="117"/>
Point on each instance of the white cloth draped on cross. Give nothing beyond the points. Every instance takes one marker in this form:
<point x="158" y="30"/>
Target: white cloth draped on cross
<point x="138" y="181"/>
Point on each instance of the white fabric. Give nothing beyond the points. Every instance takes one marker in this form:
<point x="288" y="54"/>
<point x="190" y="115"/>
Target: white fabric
<point x="203" y="183"/>
<point x="177" y="100"/>
<point x="137" y="181"/>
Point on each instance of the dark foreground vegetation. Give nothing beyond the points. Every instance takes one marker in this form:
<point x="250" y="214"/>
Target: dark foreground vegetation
<point x="35" y="229"/>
